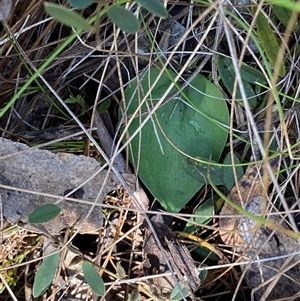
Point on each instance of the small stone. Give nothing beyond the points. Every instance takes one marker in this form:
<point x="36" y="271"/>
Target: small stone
<point x="49" y="177"/>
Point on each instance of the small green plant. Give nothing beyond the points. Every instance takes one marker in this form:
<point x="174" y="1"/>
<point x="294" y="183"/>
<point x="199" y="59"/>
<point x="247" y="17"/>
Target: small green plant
<point x="47" y="269"/>
<point x="10" y="276"/>
<point x="45" y="274"/>
<point x="190" y="125"/>
<point x="93" y="278"/>
<point x="120" y="16"/>
<point x="44" y="214"/>
<point x="250" y="78"/>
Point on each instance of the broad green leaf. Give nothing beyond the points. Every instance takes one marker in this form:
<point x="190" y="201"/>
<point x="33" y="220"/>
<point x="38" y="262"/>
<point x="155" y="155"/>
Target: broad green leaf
<point x="200" y="171"/>
<point x="179" y="291"/>
<point x="81" y="4"/>
<point x="123" y="18"/>
<point x="45" y="274"/>
<point x="66" y="16"/>
<point x="219" y="175"/>
<point x="93" y="278"/>
<point x="121" y="274"/>
<point x="175" y="128"/>
<point x="44" y="214"/>
<point x="205" y="211"/>
<point x="227" y="74"/>
<point x="228" y="175"/>
<point x="269" y="42"/>
<point x="154" y="6"/>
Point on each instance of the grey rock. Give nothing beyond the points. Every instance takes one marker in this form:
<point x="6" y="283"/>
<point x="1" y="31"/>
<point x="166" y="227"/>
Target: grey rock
<point x="43" y="172"/>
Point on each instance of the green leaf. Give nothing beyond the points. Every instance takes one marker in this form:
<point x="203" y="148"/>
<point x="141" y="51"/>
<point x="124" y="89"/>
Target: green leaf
<point x="269" y="42"/>
<point x="200" y="170"/>
<point x="134" y="296"/>
<point x="77" y="100"/>
<point x="206" y="253"/>
<point x="203" y="275"/>
<point x="228" y="175"/>
<point x="81" y="4"/>
<point x="66" y="16"/>
<point x="219" y="175"/>
<point x="293" y="6"/>
<point x="123" y="18"/>
<point x="93" y="278"/>
<point x="205" y="211"/>
<point x="283" y="14"/>
<point x="104" y="106"/>
<point x="178" y="292"/>
<point x="252" y="75"/>
<point x="175" y="129"/>
<point x="227" y="74"/>
<point x="44" y="214"/>
<point x="45" y="274"/>
<point x="219" y="202"/>
<point x="154" y="6"/>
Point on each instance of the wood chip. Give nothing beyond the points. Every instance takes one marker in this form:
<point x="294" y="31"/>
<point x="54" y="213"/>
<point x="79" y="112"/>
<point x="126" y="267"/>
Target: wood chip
<point x="178" y="256"/>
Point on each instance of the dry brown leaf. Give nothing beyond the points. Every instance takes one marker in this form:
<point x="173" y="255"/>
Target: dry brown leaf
<point x="277" y="277"/>
<point x="252" y="184"/>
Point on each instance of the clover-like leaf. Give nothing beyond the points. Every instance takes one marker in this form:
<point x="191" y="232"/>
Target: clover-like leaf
<point x="93" y="278"/>
<point x="45" y="274"/>
<point x="154" y="6"/>
<point x="200" y="171"/>
<point x="123" y="18"/>
<point x="66" y="16"/>
<point x="44" y="214"/>
<point x="81" y="4"/>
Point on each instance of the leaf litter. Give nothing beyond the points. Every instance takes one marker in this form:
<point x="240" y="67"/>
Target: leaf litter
<point x="273" y="270"/>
